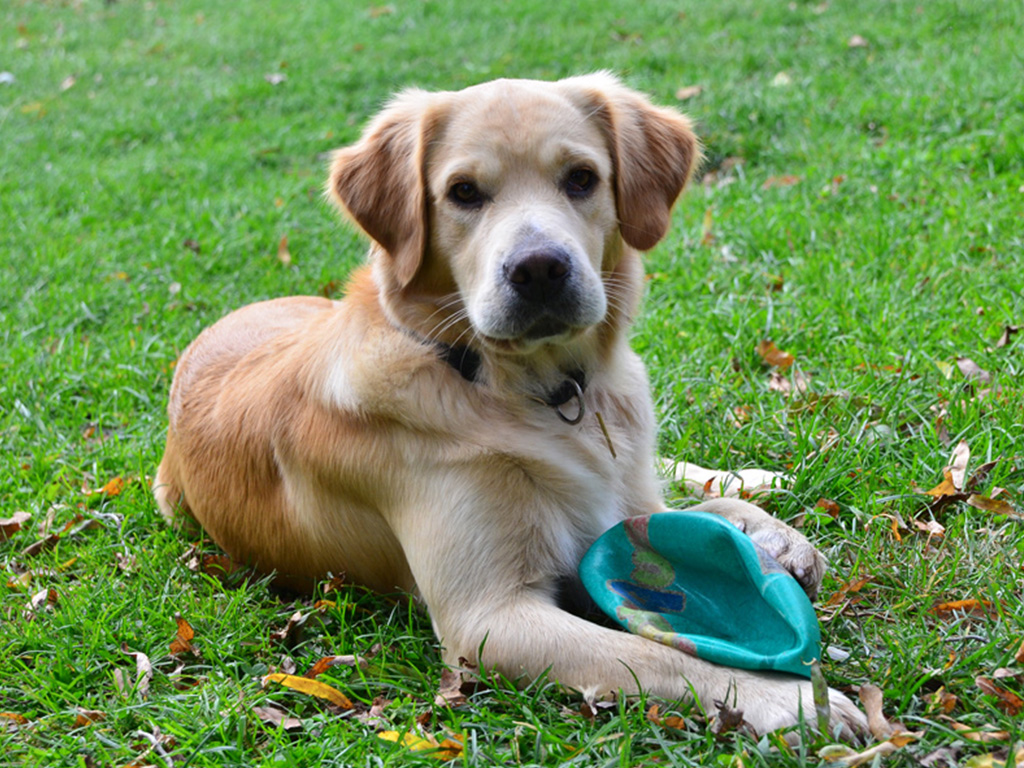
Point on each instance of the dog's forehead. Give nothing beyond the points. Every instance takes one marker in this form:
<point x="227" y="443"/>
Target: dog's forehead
<point x="522" y="116"/>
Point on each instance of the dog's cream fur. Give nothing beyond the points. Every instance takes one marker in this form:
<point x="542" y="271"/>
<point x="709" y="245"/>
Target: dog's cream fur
<point x="310" y="436"/>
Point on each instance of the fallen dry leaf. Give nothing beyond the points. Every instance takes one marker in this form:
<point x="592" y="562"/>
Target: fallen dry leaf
<point x="277" y="718"/>
<point x="448" y="749"/>
<point x="1007" y="701"/>
<point x="290" y="635"/>
<point x="670" y="721"/>
<point x="374" y="717"/>
<point x="871" y="697"/>
<point x="856" y="41"/>
<point x="983" y="735"/>
<point x="183" y="636"/>
<point x="689" y="92"/>
<point x="995" y="506"/>
<point x="850" y="587"/>
<point x="275" y="78"/>
<point x="311" y="688"/>
<point x="1019" y="655"/>
<point x="781" y="80"/>
<point x="45" y="599"/>
<point x="828" y="506"/>
<point x="327" y="662"/>
<point x="787" y="180"/>
<point x="773" y="356"/>
<point x="844" y="757"/>
<point x="797" y="381"/>
<point x="944" y="701"/>
<point x="932" y="528"/>
<point x="1008" y="333"/>
<point x="12" y="719"/>
<point x="143" y="672"/>
<point x="707" y="235"/>
<point x="970" y="607"/>
<point x="972" y="371"/>
<point x="11" y="525"/>
<point x="283" y="254"/>
<point x="957" y="467"/>
<point x="85" y="717"/>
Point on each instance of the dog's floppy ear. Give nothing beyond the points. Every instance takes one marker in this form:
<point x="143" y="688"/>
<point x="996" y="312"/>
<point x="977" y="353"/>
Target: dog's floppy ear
<point x="380" y="181"/>
<point x="654" y="152"/>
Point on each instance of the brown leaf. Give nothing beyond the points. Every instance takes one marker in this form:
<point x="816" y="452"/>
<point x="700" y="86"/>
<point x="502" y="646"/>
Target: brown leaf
<point x="727" y="719"/>
<point x="277" y="718"/>
<point x="283" y="254"/>
<point x="689" y="92"/>
<point x="113" y="487"/>
<point x="995" y="506"/>
<point x="84" y="717"/>
<point x="11" y="525"/>
<point x="671" y="721"/>
<point x="972" y="371"/>
<point x="944" y="701"/>
<point x="780" y="181"/>
<point x="773" y="356"/>
<point x="375" y="717"/>
<point x="11" y="720"/>
<point x="449" y="690"/>
<point x="1007" y="701"/>
<point x="1008" y="332"/>
<point x="796" y="382"/>
<point x="291" y="634"/>
<point x="327" y="662"/>
<point x="856" y="41"/>
<point x="828" y="506"/>
<point x="1019" y="655"/>
<point x="871" y="697"/>
<point x="850" y="587"/>
<point x="184" y="635"/>
<point x="970" y="607"/>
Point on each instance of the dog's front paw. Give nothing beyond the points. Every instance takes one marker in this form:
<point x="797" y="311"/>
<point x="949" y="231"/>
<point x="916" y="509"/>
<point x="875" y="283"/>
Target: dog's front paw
<point x="783" y="542"/>
<point x="770" y="702"/>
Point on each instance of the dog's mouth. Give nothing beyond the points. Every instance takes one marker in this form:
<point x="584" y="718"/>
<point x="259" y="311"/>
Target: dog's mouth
<point x="546" y="331"/>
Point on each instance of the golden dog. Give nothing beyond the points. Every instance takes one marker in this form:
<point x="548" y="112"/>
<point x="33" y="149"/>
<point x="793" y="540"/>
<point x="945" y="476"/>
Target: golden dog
<point x="470" y="418"/>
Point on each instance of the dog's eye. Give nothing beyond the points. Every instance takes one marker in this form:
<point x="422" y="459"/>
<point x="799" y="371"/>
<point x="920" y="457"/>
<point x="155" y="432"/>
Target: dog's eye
<point x="466" y="194"/>
<point x="580" y="182"/>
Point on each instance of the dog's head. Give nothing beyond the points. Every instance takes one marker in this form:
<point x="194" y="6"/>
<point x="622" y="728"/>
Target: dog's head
<point x="507" y="210"/>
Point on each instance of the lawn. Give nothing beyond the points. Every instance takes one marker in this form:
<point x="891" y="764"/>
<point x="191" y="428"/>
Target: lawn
<point x="862" y="207"/>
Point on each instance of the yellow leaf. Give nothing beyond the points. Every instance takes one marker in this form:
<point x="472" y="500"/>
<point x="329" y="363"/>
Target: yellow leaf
<point x="448" y="749"/>
<point x="310" y="687"/>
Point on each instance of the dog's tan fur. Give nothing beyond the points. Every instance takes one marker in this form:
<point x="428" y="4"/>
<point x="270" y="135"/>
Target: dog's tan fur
<point x="310" y="436"/>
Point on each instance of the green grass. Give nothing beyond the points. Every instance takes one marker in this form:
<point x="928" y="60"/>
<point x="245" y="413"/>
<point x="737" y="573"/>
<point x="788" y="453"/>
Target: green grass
<point x="146" y="197"/>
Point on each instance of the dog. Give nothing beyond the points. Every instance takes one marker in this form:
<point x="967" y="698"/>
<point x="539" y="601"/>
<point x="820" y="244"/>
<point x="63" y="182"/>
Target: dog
<point x="470" y="417"/>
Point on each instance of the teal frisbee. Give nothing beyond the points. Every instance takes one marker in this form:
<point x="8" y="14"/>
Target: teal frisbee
<point x="694" y="581"/>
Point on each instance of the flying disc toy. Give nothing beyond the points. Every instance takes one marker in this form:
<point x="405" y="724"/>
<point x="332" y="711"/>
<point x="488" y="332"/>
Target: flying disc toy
<point x="694" y="581"/>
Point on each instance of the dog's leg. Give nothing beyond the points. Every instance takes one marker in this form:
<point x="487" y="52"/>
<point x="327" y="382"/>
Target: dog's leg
<point x="529" y="636"/>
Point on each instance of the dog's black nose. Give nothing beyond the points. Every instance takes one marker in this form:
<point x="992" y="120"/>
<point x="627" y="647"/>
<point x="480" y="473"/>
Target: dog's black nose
<point x="538" y="275"/>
